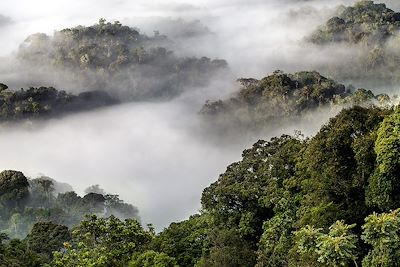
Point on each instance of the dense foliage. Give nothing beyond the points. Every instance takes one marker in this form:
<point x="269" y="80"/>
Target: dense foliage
<point x="293" y="202"/>
<point x="117" y="58"/>
<point x="365" y="22"/>
<point x="369" y="32"/>
<point x="23" y="202"/>
<point x="103" y="242"/>
<point x="283" y="97"/>
<point x="329" y="200"/>
<point x="45" y="102"/>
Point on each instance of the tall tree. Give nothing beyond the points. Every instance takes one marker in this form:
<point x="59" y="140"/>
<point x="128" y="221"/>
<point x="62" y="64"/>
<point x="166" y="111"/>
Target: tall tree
<point x="384" y="183"/>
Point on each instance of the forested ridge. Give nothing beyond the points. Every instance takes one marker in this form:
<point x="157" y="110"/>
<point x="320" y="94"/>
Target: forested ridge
<point x="46" y="102"/>
<point x="328" y="200"/>
<point x="369" y="30"/>
<point x="25" y="201"/>
<point x="366" y="22"/>
<point x="113" y="62"/>
<point x="118" y="59"/>
<point x="281" y="98"/>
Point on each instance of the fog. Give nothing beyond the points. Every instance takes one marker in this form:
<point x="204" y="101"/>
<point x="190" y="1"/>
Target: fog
<point x="255" y="30"/>
<point x="139" y="151"/>
<point x="151" y="154"/>
<point x="159" y="156"/>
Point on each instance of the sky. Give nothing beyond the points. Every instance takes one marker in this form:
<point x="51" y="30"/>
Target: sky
<point x="157" y="156"/>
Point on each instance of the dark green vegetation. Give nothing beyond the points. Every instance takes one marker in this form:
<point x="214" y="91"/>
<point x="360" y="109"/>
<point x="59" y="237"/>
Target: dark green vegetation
<point x="283" y="97"/>
<point x="23" y="202"/>
<point x="329" y="200"/>
<point x="370" y="33"/>
<point x="47" y="102"/>
<point x="117" y="58"/>
<point x="110" y="60"/>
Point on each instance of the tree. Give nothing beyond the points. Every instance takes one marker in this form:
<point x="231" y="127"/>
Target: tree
<point x="152" y="259"/>
<point x="93" y="203"/>
<point x="384" y="183"/>
<point x="382" y="233"/>
<point x="95" y="189"/>
<point x="103" y="242"/>
<point x="306" y="240"/>
<point x="15" y="222"/>
<point x="115" y="206"/>
<point x="245" y="195"/>
<point x="336" y="248"/>
<point x="13" y="187"/>
<point x="16" y="254"/>
<point x="47" y="186"/>
<point x="69" y="200"/>
<point x="184" y="241"/>
<point x="331" y="171"/>
<point x="277" y="239"/>
<point x="3" y="87"/>
<point x="46" y="237"/>
<point x="227" y="249"/>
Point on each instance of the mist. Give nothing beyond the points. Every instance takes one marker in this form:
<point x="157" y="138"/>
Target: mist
<point x="256" y="29"/>
<point x="154" y="155"/>
<point x="255" y="37"/>
<point x="146" y="155"/>
<point x="159" y="155"/>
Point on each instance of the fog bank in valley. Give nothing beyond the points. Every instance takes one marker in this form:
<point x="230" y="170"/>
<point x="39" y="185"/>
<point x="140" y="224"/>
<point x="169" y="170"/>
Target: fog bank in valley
<point x="156" y="156"/>
<point x="159" y="155"/>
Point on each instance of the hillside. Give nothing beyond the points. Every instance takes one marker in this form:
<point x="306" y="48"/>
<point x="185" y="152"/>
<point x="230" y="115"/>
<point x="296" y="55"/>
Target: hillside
<point x="366" y="22"/>
<point x="282" y="169"/>
<point x="47" y="102"/>
<point x="24" y="202"/>
<point x="368" y="35"/>
<point x="282" y="97"/>
<point x="118" y="59"/>
<point x="328" y="200"/>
